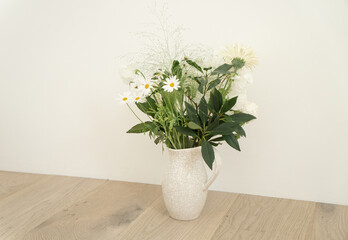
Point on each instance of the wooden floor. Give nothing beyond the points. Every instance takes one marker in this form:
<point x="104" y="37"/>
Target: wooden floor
<point x="52" y="207"/>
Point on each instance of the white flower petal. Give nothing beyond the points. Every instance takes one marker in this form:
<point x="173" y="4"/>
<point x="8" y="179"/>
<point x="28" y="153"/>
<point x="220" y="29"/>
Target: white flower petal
<point x="171" y="84"/>
<point x="250" y="108"/>
<point x="126" y="97"/>
<point x="239" y="51"/>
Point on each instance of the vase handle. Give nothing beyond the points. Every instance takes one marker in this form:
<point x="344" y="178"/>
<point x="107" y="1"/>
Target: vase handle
<point x="216" y="170"/>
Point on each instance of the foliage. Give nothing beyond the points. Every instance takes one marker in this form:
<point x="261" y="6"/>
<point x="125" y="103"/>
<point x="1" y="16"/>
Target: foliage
<point x="190" y="110"/>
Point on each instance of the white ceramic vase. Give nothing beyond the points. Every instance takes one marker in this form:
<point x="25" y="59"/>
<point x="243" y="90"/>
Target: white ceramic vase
<point x="185" y="184"/>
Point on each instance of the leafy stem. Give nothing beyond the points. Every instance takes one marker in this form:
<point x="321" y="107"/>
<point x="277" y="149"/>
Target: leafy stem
<point x="193" y="102"/>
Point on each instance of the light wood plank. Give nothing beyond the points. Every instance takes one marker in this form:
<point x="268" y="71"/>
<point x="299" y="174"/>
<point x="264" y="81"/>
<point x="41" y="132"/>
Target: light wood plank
<point x="11" y="182"/>
<point x="43" y="207"/>
<point x="298" y="221"/>
<point x="25" y="209"/>
<point x="103" y="214"/>
<point x="155" y="222"/>
<point x="256" y="217"/>
<point x="330" y="222"/>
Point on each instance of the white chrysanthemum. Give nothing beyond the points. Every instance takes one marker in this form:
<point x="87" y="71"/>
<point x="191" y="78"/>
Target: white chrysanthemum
<point x="171" y="84"/>
<point x="245" y="106"/>
<point x="245" y="75"/>
<point x="241" y="83"/>
<point x="126" y="97"/>
<point x="241" y="101"/>
<point x="239" y="86"/>
<point x="250" y="108"/>
<point x="239" y="51"/>
<point x="127" y="73"/>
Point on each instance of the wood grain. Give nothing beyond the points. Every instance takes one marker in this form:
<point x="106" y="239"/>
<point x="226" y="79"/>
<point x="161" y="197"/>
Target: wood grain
<point x="103" y="214"/>
<point x="11" y="182"/>
<point x="256" y="217"/>
<point x="330" y="222"/>
<point x="155" y="222"/>
<point x="30" y="206"/>
<point x="43" y="207"/>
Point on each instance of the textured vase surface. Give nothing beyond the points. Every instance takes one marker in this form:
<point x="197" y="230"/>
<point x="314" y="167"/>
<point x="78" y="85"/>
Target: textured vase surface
<point x="185" y="183"/>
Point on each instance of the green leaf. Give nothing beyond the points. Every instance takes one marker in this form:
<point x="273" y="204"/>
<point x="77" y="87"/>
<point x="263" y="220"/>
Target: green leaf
<point x="201" y="88"/>
<point x="214" y="123"/>
<point x="214" y="144"/>
<point x="202" y="85"/>
<point x="229" y="104"/>
<point x="218" y="139"/>
<point x="157" y="140"/>
<point x="223" y="69"/>
<point x="192" y="113"/>
<point x="208" y="153"/>
<point x="215" y="101"/>
<point x="141" y="127"/>
<point x="175" y="65"/>
<point x="194" y="126"/>
<point x="232" y="141"/>
<point x="146" y="108"/>
<point x="203" y="110"/>
<point x="207" y="68"/>
<point x="198" y="79"/>
<point x="240" y="131"/>
<point x="242" y="117"/>
<point x="176" y="69"/>
<point x="214" y="83"/>
<point x="225" y="128"/>
<point x="195" y="65"/>
<point x="152" y="103"/>
<point x="227" y="118"/>
<point x="185" y="131"/>
<point x="138" y="72"/>
<point x="218" y="102"/>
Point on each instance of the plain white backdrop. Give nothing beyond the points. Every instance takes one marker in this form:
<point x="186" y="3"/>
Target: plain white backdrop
<point x="59" y="77"/>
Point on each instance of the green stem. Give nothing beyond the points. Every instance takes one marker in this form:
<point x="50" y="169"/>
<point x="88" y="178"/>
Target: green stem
<point x="134" y="113"/>
<point x="179" y="142"/>
<point x="169" y="137"/>
<point x="191" y="100"/>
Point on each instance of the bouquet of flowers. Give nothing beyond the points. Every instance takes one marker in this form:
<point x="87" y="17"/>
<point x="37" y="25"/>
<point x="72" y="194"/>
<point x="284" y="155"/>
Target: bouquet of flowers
<point x="191" y="104"/>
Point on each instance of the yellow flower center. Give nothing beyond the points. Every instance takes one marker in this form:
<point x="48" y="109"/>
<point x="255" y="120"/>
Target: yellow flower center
<point x="124" y="99"/>
<point x="147" y="86"/>
<point x="159" y="74"/>
<point x="171" y="84"/>
<point x="137" y="98"/>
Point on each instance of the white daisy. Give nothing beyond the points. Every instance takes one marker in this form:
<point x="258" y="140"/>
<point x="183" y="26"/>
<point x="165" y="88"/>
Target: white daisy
<point x="239" y="51"/>
<point x="145" y="86"/>
<point x="126" y="97"/>
<point x="171" y="84"/>
<point x="138" y="98"/>
<point x="159" y="75"/>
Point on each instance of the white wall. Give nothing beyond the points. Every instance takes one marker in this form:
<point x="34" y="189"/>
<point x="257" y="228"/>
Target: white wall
<point x="58" y="81"/>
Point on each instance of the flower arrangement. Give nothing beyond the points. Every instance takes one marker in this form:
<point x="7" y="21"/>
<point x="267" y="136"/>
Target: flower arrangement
<point x="192" y="103"/>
